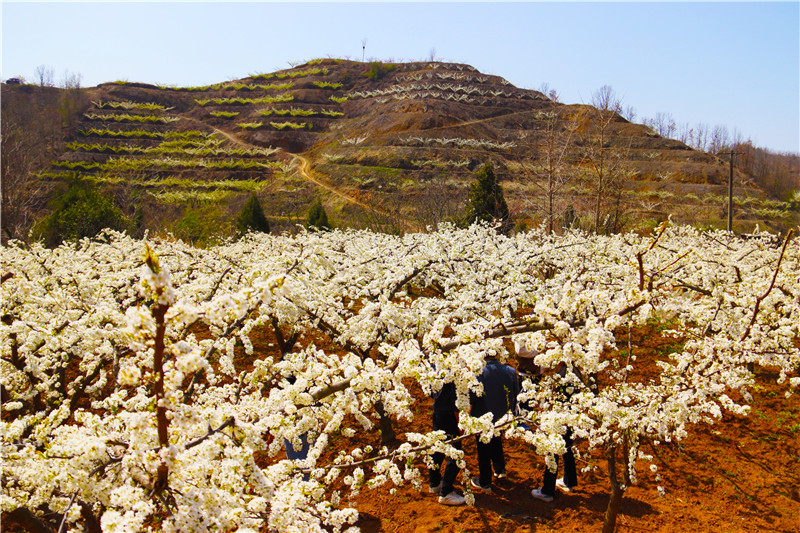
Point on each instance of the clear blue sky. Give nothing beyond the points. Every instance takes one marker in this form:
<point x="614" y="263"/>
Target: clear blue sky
<point x="720" y="63"/>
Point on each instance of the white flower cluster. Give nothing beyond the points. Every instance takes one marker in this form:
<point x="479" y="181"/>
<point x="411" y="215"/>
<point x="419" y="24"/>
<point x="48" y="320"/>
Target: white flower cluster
<point x="91" y="420"/>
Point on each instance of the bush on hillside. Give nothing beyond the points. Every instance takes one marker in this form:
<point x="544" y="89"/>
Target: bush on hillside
<point x="201" y="226"/>
<point x="82" y="211"/>
<point x="377" y="70"/>
<point x="486" y="202"/>
<point x="251" y="217"/>
<point x="317" y="217"/>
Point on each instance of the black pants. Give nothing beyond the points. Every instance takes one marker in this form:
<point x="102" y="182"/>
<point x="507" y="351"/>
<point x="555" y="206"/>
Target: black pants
<point x="448" y="423"/>
<point x="490" y="455"/>
<point x="570" y="474"/>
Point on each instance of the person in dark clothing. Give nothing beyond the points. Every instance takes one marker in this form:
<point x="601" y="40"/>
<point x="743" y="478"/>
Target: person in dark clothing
<point x="445" y="418"/>
<point x="570" y="480"/>
<point x="527" y="371"/>
<point x="301" y="453"/>
<point x="500" y="390"/>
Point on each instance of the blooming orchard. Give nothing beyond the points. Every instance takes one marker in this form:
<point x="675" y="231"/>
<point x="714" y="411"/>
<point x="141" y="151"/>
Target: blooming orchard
<point x="125" y="406"/>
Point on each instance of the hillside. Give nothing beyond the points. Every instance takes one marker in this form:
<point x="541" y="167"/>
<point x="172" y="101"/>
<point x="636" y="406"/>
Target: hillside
<point x="387" y="146"/>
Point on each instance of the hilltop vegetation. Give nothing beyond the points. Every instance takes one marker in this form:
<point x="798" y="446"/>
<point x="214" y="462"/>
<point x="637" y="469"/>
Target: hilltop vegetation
<point x="387" y="146"/>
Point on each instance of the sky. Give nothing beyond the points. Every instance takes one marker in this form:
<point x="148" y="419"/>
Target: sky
<point x="735" y="64"/>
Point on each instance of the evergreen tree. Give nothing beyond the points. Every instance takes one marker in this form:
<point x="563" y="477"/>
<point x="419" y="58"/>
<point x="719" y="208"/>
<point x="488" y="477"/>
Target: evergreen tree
<point x="317" y="217"/>
<point x="486" y="202"/>
<point x="251" y="217"/>
<point x="82" y="211"/>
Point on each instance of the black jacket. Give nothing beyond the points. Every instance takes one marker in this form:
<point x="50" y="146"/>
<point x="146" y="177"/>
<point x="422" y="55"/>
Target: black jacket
<point x="444" y="401"/>
<point x="500" y="390"/>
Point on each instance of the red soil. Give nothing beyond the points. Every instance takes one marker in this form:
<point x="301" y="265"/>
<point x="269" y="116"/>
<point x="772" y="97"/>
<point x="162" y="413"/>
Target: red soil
<point x="741" y="474"/>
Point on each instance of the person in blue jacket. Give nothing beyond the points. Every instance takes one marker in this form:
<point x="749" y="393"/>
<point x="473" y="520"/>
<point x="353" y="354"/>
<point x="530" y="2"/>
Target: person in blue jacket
<point x="500" y="390"/>
<point x="445" y="418"/>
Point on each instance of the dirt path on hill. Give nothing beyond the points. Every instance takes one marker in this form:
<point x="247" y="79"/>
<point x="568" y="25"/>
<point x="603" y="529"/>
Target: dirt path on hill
<point x="308" y="173"/>
<point x="304" y="167"/>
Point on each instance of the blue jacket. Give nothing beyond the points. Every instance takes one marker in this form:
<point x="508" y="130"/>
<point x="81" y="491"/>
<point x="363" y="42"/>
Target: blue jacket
<point x="500" y="390"/>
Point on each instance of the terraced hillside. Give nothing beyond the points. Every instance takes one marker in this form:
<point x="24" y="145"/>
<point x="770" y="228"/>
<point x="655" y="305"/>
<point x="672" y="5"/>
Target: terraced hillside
<point x="389" y="146"/>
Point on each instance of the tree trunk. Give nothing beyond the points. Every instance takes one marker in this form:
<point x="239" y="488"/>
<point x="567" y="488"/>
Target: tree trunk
<point x="26" y="520"/>
<point x="158" y="392"/>
<point x="387" y="430"/>
<point x="610" y="522"/>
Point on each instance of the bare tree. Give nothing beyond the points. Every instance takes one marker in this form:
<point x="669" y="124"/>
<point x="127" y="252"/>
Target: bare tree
<point x="629" y="113"/>
<point x="700" y="137"/>
<point x="73" y="100"/>
<point x="71" y="80"/>
<point x="31" y="136"/>
<point x="604" y="161"/>
<point x="549" y="92"/>
<point x="363" y="48"/>
<point x="432" y="54"/>
<point x="46" y="75"/>
<point x="719" y="139"/>
<point x="663" y="124"/>
<point x="551" y="168"/>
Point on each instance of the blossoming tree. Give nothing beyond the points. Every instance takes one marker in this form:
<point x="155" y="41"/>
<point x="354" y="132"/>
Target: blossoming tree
<point x="125" y="405"/>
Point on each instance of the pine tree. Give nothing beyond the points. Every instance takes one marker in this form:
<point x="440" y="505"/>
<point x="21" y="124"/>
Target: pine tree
<point x="486" y="202"/>
<point x="317" y="217"/>
<point x="251" y="217"/>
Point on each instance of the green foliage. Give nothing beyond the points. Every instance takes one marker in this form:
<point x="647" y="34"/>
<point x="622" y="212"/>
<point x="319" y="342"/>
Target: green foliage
<point x="327" y="85"/>
<point x="224" y="114"/>
<point x="200" y="226"/>
<point x="144" y="134"/>
<point x="147" y="106"/>
<point x="486" y="202"/>
<point x="291" y="125"/>
<point x="251" y="217"/>
<point x="317" y="217"/>
<point x="82" y="211"/>
<point x="377" y="70"/>
<point x="793" y="201"/>
<point x="571" y="219"/>
<point x="131" y="118"/>
<point x="284" y="97"/>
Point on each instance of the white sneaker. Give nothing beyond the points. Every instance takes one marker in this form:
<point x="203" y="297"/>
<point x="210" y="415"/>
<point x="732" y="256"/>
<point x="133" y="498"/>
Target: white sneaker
<point x="563" y="486"/>
<point x="500" y="475"/>
<point x="539" y="495"/>
<point x="436" y="489"/>
<point x="453" y="498"/>
<point x="476" y="485"/>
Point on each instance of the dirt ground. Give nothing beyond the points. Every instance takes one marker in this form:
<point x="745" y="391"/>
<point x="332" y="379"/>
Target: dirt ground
<point x="740" y="474"/>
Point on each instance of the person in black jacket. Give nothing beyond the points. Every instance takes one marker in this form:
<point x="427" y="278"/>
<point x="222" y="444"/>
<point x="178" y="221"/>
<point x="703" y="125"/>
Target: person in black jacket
<point x="500" y="390"/>
<point x="570" y="480"/>
<point x="445" y="418"/>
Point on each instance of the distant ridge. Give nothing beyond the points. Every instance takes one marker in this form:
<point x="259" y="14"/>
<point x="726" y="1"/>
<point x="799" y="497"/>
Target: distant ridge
<point x="389" y="146"/>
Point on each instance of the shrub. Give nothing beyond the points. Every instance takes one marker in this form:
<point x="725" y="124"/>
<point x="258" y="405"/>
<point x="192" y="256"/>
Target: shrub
<point x="200" y="226"/>
<point x="82" y="211"/>
<point x="377" y="70"/>
<point x="251" y="217"/>
<point x="317" y="217"/>
<point x="571" y="219"/>
<point x="486" y="202"/>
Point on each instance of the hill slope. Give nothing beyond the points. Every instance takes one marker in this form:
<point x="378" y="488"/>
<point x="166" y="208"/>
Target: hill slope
<point x="388" y="146"/>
